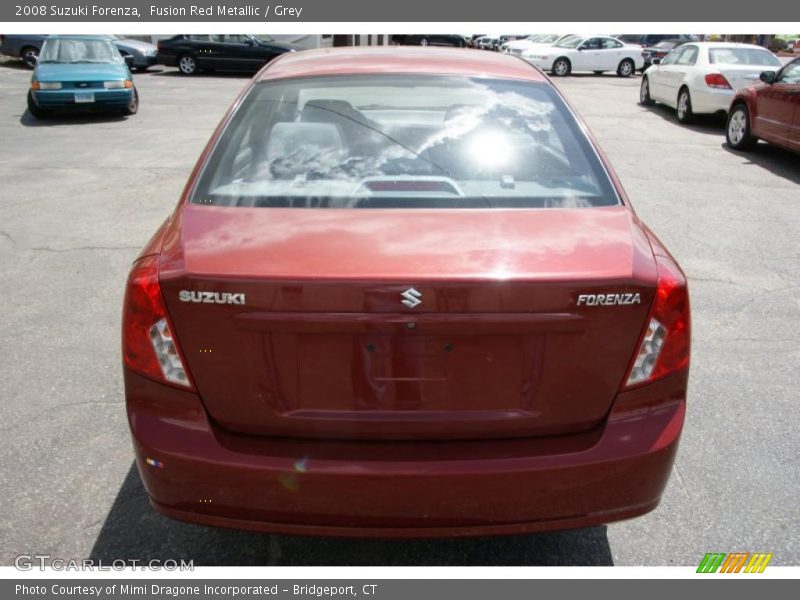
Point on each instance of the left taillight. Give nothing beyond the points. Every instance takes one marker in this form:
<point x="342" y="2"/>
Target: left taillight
<point x="718" y="81"/>
<point x="149" y="346"/>
<point x="665" y="344"/>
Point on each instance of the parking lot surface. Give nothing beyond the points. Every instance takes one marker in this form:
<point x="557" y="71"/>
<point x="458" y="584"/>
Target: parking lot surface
<point x="79" y="196"/>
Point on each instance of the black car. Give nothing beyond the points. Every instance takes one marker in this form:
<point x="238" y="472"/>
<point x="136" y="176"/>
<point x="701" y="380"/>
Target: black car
<point x="228" y="52"/>
<point x="457" y="41"/>
<point x="659" y="50"/>
<point x="646" y="40"/>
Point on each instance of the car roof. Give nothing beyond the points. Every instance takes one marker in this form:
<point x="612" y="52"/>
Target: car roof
<point x="727" y="45"/>
<point x="399" y="59"/>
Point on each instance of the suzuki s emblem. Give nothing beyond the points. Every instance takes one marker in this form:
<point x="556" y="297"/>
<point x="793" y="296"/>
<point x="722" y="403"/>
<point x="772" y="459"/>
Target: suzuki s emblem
<point x="411" y="298"/>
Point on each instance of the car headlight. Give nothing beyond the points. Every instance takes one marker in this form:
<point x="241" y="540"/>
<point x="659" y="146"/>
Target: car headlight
<point x="118" y="85"/>
<point x="46" y="85"/>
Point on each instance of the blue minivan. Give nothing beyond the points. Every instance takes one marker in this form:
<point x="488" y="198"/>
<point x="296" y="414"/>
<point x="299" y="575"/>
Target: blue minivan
<point x="81" y="71"/>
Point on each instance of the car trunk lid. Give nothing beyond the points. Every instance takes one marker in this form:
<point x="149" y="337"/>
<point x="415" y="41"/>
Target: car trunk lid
<point x="293" y="322"/>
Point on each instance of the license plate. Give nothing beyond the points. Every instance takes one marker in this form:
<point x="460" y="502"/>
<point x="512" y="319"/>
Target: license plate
<point x="81" y="97"/>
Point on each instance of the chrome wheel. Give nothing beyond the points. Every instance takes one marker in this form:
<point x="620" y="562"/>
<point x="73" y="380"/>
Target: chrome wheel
<point x="187" y="65"/>
<point x="561" y="68"/>
<point x="30" y="57"/>
<point x="737" y="125"/>
<point x="684" y="106"/>
<point x="423" y="42"/>
<point x="625" y="68"/>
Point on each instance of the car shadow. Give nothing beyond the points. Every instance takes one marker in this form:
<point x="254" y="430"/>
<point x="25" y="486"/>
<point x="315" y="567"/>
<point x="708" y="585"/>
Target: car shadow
<point x="14" y="65"/>
<point x="778" y="161"/>
<point x="706" y="124"/>
<point x="133" y="531"/>
<point x="70" y="118"/>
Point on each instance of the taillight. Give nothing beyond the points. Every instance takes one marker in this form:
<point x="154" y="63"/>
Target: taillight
<point x="664" y="347"/>
<point x="148" y="345"/>
<point x="717" y="80"/>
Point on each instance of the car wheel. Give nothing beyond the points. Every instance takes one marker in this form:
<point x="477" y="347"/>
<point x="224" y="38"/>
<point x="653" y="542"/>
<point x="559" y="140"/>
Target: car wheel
<point x="598" y="72"/>
<point x="133" y="107"/>
<point x="626" y="68"/>
<point x="644" y="93"/>
<point x="424" y="42"/>
<point x="187" y="65"/>
<point x="737" y="131"/>
<point x="29" y="56"/>
<point x="33" y="108"/>
<point x="561" y="67"/>
<point x="685" y="114"/>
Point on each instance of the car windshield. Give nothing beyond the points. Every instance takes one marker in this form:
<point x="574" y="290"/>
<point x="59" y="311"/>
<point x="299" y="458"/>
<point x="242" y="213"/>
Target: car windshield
<point x="570" y="42"/>
<point x="666" y="44"/>
<point x="403" y="141"/>
<point x="264" y="38"/>
<point x="63" y="50"/>
<point x="743" y="56"/>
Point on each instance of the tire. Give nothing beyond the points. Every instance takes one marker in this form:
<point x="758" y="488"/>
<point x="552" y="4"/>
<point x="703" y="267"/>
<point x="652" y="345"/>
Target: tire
<point x="29" y="56"/>
<point x="626" y="68"/>
<point x="561" y="67"/>
<point x="644" y="93"/>
<point x="133" y="107"/>
<point x="685" y="114"/>
<point x="598" y="72"/>
<point x="737" y="129"/>
<point x="187" y="64"/>
<point x="33" y="108"/>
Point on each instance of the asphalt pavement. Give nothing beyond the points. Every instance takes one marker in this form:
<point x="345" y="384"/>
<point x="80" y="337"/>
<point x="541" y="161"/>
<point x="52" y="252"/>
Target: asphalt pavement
<point x="79" y="196"/>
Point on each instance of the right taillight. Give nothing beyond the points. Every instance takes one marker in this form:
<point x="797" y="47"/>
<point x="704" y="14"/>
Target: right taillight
<point x="664" y="347"/>
<point x="148" y="345"/>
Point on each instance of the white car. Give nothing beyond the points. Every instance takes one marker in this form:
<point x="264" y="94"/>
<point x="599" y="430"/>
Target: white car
<point x="703" y="77"/>
<point x="532" y="41"/>
<point x="598" y="53"/>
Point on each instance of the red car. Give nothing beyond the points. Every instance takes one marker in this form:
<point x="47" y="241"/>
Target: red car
<point x="404" y="294"/>
<point x="769" y="111"/>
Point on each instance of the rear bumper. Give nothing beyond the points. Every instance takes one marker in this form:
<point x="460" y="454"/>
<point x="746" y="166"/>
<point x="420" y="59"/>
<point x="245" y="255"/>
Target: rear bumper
<point x="711" y="100"/>
<point x="103" y="98"/>
<point x="201" y="474"/>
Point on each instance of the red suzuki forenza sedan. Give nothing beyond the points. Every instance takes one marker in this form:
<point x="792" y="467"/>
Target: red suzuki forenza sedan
<point x="404" y="294"/>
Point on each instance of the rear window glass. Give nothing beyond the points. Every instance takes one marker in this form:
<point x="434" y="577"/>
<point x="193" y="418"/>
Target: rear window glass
<point x="403" y="142"/>
<point x="742" y="56"/>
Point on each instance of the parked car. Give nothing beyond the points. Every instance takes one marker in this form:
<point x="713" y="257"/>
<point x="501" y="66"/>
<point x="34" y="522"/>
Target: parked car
<point x="659" y="50"/>
<point x="486" y="42"/>
<point x="532" y="41"/>
<point x="457" y="41"/>
<point x="404" y="294"/>
<point x="27" y="47"/>
<point x="769" y="110"/>
<point x="651" y="39"/>
<point x="587" y="53"/>
<point x="702" y="77"/>
<point x="143" y="54"/>
<point x="81" y="71"/>
<point x="229" y="52"/>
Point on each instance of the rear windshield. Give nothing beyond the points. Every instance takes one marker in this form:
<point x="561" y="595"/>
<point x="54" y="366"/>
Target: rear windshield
<point x="743" y="56"/>
<point x="403" y="142"/>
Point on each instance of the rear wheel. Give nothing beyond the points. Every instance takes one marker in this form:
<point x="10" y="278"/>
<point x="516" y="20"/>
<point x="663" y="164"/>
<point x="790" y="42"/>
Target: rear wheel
<point x="187" y="65"/>
<point x="644" y="93"/>
<point x="33" y="108"/>
<point x="737" y="131"/>
<point x="685" y="114"/>
<point x="29" y="56"/>
<point x="561" y="67"/>
<point x="626" y="68"/>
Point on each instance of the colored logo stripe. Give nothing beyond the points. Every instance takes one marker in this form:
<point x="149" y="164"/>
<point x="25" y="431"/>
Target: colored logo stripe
<point x="733" y="563"/>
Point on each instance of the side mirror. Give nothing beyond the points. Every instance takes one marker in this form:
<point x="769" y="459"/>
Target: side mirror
<point x="656" y="61"/>
<point x="767" y="77"/>
<point x="128" y="60"/>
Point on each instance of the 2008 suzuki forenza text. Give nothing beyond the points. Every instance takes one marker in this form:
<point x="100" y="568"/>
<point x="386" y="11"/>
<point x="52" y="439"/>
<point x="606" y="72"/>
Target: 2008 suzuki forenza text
<point x="404" y="294"/>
